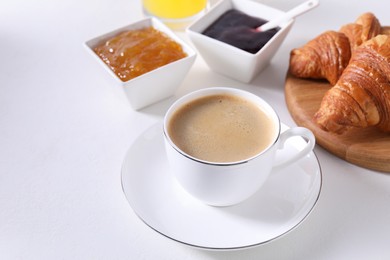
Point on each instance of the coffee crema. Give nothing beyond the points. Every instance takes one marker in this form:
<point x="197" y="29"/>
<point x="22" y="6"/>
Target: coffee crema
<point x="221" y="128"/>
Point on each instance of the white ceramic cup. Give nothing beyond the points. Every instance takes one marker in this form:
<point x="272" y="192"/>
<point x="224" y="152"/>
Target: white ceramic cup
<point x="224" y="184"/>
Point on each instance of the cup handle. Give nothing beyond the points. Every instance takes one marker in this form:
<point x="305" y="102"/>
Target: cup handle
<point x="296" y="131"/>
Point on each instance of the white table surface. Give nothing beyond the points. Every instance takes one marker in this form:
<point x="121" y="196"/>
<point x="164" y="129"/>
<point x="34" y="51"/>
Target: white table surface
<point x="65" y="128"/>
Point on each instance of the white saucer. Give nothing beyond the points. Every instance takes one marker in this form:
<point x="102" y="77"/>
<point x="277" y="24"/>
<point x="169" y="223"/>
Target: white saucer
<point x="284" y="201"/>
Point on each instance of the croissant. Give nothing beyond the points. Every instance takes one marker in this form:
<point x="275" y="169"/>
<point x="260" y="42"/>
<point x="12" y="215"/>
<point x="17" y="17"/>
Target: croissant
<point x="365" y="27"/>
<point x="309" y="62"/>
<point x="326" y="56"/>
<point x="361" y="97"/>
<point x="385" y="30"/>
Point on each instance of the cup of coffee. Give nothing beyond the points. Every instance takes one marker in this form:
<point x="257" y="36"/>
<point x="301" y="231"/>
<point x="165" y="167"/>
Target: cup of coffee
<point x="221" y="144"/>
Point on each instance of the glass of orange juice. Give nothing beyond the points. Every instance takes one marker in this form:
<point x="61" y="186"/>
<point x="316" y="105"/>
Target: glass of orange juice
<point x="177" y="14"/>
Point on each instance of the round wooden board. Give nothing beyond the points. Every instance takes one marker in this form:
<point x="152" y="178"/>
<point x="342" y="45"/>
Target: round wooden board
<point x="368" y="147"/>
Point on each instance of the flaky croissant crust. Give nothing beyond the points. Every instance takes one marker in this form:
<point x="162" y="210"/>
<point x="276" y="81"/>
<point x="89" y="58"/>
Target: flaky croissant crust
<point x="366" y="27"/>
<point x="361" y="96"/>
<point x="326" y="56"/>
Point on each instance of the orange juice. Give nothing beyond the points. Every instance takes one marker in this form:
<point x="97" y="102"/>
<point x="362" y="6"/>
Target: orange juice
<point x="171" y="11"/>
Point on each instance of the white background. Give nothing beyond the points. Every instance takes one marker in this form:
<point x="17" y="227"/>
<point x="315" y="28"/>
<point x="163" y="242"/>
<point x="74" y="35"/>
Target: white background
<point x="65" y="128"/>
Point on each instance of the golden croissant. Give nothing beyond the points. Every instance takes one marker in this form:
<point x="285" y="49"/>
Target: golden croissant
<point x="361" y="97"/>
<point x="324" y="57"/>
<point x="365" y="28"/>
<point x="327" y="55"/>
<point x="385" y="30"/>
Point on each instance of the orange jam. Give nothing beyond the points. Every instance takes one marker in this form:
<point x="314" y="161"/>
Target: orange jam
<point x="133" y="53"/>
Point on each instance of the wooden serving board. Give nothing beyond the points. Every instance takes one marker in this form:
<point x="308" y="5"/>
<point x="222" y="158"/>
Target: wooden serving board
<point x="368" y="147"/>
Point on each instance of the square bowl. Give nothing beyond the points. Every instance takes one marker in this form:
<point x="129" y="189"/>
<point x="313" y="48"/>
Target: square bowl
<point x="231" y="61"/>
<point x="156" y="84"/>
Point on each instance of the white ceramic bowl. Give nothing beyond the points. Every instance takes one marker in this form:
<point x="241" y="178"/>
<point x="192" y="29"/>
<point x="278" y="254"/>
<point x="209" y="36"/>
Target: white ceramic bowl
<point x="157" y="84"/>
<point x="229" y="60"/>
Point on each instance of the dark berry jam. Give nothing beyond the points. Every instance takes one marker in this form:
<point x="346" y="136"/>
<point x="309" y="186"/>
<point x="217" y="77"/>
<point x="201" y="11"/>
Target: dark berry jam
<point x="239" y="29"/>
